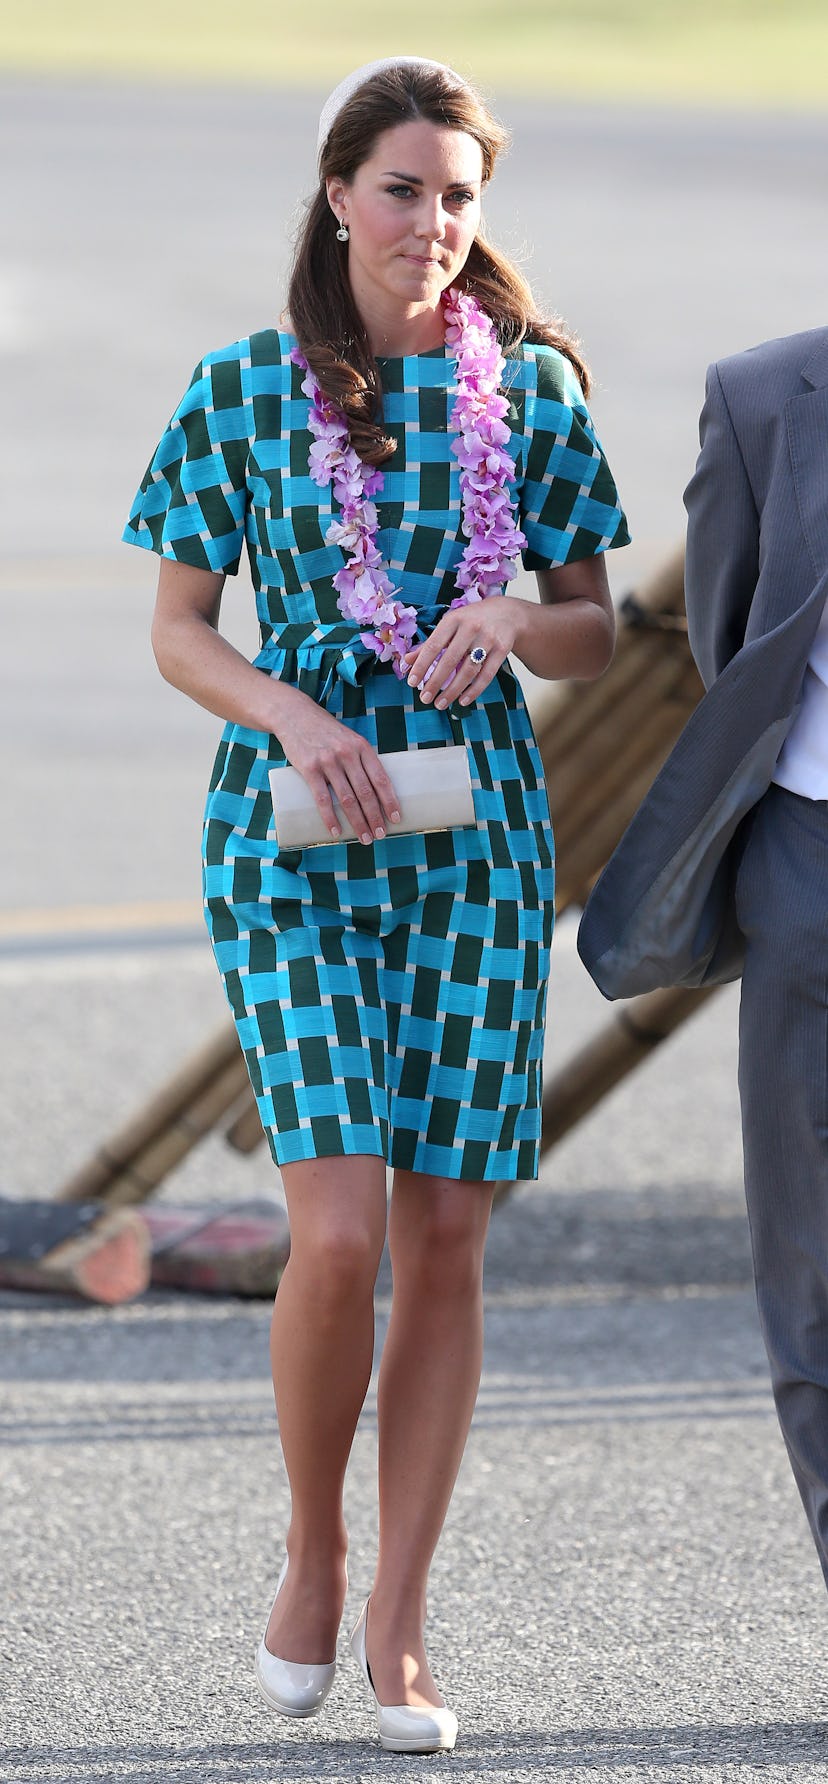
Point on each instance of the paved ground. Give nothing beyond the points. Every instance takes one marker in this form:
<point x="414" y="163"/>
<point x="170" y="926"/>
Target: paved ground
<point x="625" y="1589"/>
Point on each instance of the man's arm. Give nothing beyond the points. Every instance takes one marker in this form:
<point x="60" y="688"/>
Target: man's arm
<point x="722" y="564"/>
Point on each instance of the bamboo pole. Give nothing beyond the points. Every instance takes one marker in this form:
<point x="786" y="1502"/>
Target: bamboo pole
<point x="245" y="1132"/>
<point x="641" y="752"/>
<point x="647" y="732"/>
<point x="617" y="704"/>
<point x="632" y="1034"/>
<point x="615" y="717"/>
<point x="148" y="1167"/>
<point x="663" y="590"/>
<point x="115" y="1157"/>
<point x="579" y="867"/>
<point x="571" y="708"/>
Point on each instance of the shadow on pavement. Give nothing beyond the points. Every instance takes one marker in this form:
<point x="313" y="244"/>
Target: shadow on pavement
<point x="656" y="1237"/>
<point x="685" y="1747"/>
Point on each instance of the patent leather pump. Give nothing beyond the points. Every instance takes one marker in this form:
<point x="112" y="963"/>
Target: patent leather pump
<point x="402" y="1728"/>
<point x="293" y="1687"/>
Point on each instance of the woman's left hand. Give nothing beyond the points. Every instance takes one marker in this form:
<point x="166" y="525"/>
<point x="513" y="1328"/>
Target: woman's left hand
<point x="491" y="625"/>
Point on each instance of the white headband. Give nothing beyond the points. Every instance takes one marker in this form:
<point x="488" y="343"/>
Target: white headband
<point x="352" y="82"/>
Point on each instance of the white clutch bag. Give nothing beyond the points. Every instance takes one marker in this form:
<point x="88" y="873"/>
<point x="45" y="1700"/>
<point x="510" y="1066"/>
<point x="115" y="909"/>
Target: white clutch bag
<point x="433" y="789"/>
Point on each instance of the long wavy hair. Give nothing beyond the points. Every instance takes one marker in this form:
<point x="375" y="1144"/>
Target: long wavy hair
<point x="323" y="315"/>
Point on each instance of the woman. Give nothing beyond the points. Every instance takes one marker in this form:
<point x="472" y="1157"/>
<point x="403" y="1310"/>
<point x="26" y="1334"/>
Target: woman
<point x="389" y="991"/>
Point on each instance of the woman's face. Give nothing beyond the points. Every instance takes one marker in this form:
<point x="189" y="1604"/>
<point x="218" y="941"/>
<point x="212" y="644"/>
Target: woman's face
<point x="412" y="210"/>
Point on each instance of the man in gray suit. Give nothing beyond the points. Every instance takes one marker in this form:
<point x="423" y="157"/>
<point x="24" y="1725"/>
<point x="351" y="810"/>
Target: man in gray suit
<point x="725" y="865"/>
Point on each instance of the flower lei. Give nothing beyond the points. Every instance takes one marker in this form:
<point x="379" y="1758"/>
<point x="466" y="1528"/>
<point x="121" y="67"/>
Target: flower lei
<point x="365" y="593"/>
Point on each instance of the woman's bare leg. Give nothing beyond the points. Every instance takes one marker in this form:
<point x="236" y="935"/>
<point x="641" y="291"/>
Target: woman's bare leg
<point x="428" y="1385"/>
<point x="322" y="1344"/>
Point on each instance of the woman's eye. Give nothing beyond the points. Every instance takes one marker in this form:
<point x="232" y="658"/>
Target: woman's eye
<point x="458" y="197"/>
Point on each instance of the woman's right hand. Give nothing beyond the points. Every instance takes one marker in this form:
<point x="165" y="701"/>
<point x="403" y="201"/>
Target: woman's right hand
<point x="193" y="656"/>
<point x="335" y="760"/>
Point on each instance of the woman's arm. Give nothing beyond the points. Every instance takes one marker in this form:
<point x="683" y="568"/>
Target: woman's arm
<point x="570" y="636"/>
<point x="191" y="653"/>
<point x="193" y="656"/>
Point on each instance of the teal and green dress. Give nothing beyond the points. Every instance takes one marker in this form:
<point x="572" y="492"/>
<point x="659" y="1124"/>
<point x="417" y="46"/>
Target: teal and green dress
<point x="389" y="998"/>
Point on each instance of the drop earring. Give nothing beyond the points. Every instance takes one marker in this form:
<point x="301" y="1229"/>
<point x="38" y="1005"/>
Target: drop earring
<point x="343" y="233"/>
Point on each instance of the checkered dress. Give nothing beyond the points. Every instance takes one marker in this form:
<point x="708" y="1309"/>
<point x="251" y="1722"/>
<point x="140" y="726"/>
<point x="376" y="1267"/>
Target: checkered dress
<point x="389" y="998"/>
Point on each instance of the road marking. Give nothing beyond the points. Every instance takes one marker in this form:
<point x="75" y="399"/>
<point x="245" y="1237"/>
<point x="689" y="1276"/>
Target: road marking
<point x="77" y="920"/>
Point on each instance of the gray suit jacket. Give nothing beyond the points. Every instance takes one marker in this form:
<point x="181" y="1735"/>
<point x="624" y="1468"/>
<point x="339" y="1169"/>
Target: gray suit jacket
<point x="662" y="912"/>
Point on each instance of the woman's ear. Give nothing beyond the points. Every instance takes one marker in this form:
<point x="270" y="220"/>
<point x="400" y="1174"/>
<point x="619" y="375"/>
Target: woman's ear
<point x="336" y="189"/>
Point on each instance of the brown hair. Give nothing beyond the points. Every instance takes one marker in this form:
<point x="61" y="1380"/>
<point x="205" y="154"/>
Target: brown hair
<point x="323" y="314"/>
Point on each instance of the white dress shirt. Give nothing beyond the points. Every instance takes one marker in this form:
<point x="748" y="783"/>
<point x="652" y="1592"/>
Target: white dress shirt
<point x="803" y="763"/>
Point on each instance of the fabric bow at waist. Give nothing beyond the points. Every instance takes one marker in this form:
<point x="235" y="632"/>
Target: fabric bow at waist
<point x="341" y="642"/>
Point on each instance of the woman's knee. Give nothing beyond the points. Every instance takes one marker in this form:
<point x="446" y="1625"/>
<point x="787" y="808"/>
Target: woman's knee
<point x="442" y="1246"/>
<point x="338" y="1257"/>
<point x="337" y="1212"/>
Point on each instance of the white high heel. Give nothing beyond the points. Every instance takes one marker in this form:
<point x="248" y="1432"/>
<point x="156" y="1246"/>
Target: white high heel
<point x="292" y="1686"/>
<point x="403" y="1729"/>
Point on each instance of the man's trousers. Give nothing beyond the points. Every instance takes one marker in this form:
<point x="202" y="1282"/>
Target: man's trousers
<point x="782" y="905"/>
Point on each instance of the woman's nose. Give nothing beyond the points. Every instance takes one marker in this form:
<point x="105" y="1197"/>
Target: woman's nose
<point x="431" y="221"/>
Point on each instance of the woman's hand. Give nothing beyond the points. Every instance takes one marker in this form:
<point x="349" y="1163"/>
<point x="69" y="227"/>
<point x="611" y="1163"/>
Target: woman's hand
<point x="570" y="635"/>
<point x="193" y="656"/>
<point x="335" y="760"/>
<point x="493" y="625"/>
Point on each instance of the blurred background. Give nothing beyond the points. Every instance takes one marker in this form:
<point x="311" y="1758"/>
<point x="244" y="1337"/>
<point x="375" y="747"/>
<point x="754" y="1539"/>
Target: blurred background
<point x="646" y="1563"/>
<point x="665" y="191"/>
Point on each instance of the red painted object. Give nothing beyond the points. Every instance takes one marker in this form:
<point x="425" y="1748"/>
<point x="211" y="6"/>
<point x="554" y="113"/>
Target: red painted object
<point x="239" y="1250"/>
<point x="98" y="1253"/>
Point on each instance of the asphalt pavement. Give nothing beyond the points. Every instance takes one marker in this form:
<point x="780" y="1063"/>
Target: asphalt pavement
<point x="626" y="1589"/>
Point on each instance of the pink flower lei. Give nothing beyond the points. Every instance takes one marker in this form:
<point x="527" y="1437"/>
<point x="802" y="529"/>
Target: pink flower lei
<point x="365" y="593"/>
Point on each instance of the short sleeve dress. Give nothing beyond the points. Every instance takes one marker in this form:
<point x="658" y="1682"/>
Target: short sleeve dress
<point x="389" y="998"/>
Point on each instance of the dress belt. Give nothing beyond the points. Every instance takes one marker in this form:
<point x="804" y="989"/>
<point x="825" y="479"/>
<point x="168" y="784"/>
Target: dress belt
<point x="352" y="660"/>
